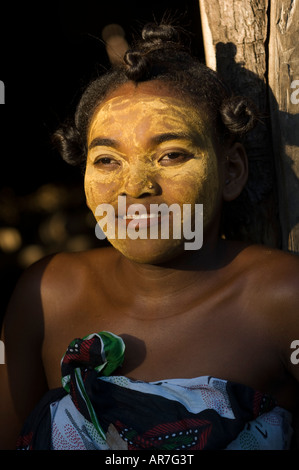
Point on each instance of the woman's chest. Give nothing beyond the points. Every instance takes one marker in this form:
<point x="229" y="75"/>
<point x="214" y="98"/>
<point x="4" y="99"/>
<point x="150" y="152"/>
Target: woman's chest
<point x="218" y="342"/>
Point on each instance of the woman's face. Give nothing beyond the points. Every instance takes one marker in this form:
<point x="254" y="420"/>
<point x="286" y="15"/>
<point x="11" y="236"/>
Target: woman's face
<point x="147" y="147"/>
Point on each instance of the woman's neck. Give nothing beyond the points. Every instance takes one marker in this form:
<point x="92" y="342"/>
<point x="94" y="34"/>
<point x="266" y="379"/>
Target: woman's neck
<point x="171" y="277"/>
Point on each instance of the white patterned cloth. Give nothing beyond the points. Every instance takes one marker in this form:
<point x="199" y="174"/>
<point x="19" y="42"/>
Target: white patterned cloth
<point x="97" y="410"/>
<point x="270" y="431"/>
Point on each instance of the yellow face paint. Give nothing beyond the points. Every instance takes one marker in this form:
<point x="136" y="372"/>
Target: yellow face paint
<point x="136" y="138"/>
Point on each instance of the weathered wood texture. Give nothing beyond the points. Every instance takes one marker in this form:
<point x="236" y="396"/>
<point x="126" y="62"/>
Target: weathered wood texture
<point x="284" y="102"/>
<point x="236" y="40"/>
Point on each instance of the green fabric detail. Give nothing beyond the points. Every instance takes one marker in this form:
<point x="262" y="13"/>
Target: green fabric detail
<point x="111" y="356"/>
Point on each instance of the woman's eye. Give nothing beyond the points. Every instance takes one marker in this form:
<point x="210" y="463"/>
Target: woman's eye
<point x="107" y="163"/>
<point x="173" y="158"/>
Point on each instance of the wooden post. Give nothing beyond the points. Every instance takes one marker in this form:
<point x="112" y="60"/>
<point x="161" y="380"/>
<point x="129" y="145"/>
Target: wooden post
<point x="235" y="37"/>
<point x="284" y="102"/>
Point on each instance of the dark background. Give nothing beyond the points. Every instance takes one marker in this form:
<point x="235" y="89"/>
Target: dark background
<point x="49" y="52"/>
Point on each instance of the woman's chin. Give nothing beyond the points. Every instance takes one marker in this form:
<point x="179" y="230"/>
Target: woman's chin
<point x="149" y="251"/>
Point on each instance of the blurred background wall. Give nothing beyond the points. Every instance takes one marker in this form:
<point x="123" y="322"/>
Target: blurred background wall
<point x="49" y="53"/>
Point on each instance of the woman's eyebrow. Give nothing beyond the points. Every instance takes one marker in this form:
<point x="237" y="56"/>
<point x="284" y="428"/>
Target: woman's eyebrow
<point x="102" y="141"/>
<point x="160" y="138"/>
<point x="155" y="140"/>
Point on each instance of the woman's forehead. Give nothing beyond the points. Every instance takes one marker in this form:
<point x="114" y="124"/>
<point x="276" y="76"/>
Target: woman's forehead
<point x="130" y="104"/>
<point x="151" y="88"/>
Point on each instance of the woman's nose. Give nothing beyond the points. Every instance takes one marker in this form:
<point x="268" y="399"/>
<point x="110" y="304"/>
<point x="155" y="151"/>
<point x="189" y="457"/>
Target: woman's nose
<point x="138" y="185"/>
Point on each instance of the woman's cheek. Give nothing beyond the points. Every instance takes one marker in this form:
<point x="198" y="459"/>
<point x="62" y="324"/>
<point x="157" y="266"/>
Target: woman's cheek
<point x="187" y="186"/>
<point x="98" y="193"/>
<point x="200" y="186"/>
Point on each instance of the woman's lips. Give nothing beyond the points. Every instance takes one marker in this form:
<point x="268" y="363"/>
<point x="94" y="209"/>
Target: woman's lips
<point x="134" y="221"/>
<point x="142" y="216"/>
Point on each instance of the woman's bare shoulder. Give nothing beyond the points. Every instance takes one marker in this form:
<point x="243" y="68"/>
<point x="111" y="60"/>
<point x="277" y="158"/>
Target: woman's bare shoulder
<point x="269" y="276"/>
<point x="271" y="290"/>
<point x="54" y="277"/>
<point x="271" y="266"/>
<point x="66" y="267"/>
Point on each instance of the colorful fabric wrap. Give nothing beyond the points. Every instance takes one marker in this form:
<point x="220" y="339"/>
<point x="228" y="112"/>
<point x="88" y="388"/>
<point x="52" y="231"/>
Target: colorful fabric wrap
<point x="95" y="410"/>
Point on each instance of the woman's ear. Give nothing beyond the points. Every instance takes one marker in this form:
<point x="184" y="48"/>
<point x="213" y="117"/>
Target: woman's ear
<point x="235" y="172"/>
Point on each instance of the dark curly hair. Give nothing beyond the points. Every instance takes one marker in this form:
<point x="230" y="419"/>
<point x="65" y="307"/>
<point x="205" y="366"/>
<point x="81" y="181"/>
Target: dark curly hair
<point x="158" y="56"/>
<point x="161" y="54"/>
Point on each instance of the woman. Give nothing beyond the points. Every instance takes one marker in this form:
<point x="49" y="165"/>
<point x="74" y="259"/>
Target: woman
<point x="206" y="332"/>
